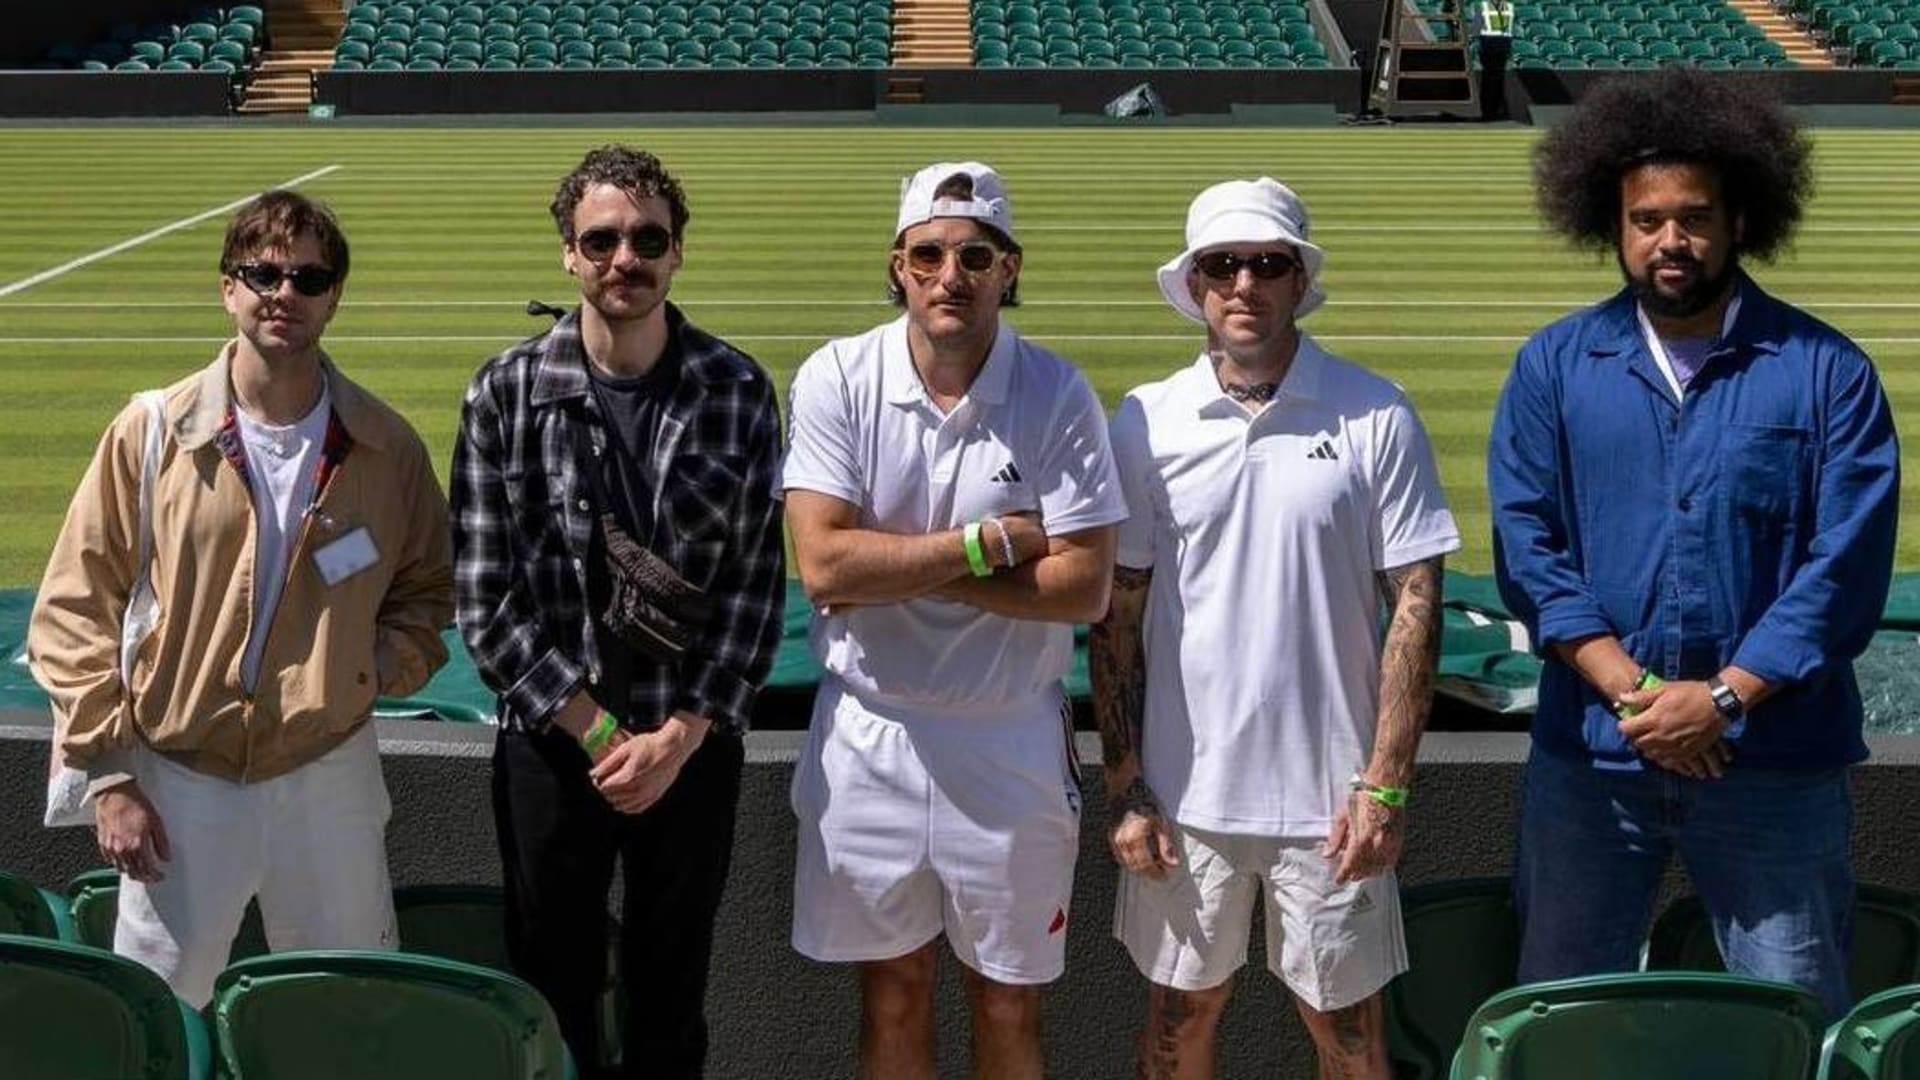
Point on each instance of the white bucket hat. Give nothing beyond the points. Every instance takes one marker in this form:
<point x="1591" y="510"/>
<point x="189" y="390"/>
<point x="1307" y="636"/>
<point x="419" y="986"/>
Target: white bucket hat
<point x="989" y="203"/>
<point x="1262" y="211"/>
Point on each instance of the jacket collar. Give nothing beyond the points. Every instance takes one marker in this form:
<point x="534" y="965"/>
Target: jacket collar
<point x="1759" y="326"/>
<point x="560" y="368"/>
<point x="209" y="401"/>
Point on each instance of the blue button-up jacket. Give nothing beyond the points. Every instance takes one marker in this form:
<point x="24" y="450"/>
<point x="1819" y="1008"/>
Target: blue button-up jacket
<point x="1751" y="523"/>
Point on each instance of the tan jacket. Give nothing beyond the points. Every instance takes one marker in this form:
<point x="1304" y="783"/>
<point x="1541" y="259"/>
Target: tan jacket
<point x="318" y="674"/>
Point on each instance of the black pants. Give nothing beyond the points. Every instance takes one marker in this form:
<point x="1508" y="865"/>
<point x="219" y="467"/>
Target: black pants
<point x="1494" y="50"/>
<point x="558" y="839"/>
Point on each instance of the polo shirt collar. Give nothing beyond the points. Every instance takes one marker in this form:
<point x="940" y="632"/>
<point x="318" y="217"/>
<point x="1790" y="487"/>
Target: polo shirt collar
<point x="1305" y="377"/>
<point x="903" y="386"/>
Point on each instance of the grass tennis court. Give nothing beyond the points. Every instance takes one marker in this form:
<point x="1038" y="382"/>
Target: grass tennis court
<point x="1436" y="264"/>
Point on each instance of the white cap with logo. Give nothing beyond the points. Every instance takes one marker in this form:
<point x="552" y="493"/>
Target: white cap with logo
<point x="989" y="202"/>
<point x="1262" y="211"/>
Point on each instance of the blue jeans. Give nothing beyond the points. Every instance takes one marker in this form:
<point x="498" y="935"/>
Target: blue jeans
<point x="1766" y="849"/>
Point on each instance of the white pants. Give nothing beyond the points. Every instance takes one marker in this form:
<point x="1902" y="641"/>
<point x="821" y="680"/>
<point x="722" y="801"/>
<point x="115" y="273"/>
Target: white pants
<point x="1333" y="945"/>
<point x="311" y="844"/>
<point x="914" y="824"/>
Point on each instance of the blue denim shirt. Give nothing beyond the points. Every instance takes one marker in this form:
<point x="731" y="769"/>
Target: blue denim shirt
<point x="1752" y="523"/>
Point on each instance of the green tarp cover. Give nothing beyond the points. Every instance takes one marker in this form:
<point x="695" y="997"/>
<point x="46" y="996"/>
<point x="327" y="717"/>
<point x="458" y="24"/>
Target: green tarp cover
<point x="1485" y="659"/>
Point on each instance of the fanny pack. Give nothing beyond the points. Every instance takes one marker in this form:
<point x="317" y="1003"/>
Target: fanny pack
<point x="650" y="607"/>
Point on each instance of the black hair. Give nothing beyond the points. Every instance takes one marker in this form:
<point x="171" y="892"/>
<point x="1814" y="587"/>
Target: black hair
<point x="636" y="172"/>
<point x="1677" y="115"/>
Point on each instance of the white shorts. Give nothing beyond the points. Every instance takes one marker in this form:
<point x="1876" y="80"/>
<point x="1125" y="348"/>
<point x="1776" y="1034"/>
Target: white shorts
<point x="1333" y="945"/>
<point x="911" y="825"/>
<point x="311" y="844"/>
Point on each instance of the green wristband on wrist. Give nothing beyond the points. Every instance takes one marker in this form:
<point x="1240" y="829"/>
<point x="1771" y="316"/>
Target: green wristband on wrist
<point x="599" y="735"/>
<point x="976" y="554"/>
<point x="1648" y="681"/>
<point x="1395" y="797"/>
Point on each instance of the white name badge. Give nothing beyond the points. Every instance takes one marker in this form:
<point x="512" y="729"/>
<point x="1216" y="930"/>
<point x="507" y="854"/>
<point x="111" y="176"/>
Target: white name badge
<point x="341" y="559"/>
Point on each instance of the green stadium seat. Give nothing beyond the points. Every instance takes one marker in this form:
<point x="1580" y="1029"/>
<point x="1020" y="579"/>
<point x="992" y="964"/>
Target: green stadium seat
<point x="1886" y="939"/>
<point x="390" y="50"/>
<point x="538" y="51"/>
<point x="245" y="33"/>
<point x="148" y="52"/>
<point x="71" y="1010"/>
<point x="1463" y="946"/>
<point x="502" y="49"/>
<point x="1887" y="53"/>
<point x="430" y="31"/>
<point x="576" y="50"/>
<point x="1644" y="1024"/>
<point x="248" y="13"/>
<point x="230" y="51"/>
<point x="427" y="50"/>
<point x="205" y="33"/>
<point x="1875" y="1040"/>
<point x="465" y="50"/>
<point x="28" y="910"/>
<point x="614" y="50"/>
<point x="538" y="64"/>
<point x="499" y="63"/>
<point x="381" y="1016"/>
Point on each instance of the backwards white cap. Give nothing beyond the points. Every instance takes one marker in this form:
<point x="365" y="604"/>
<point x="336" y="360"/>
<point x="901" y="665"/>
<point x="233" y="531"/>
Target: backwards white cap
<point x="989" y="202"/>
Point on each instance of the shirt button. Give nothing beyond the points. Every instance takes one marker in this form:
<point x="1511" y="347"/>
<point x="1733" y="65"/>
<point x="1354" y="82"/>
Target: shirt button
<point x="582" y="504"/>
<point x="576" y="564"/>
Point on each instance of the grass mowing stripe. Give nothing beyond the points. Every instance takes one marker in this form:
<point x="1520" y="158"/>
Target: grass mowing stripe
<point x="154" y="234"/>
<point x="787" y="246"/>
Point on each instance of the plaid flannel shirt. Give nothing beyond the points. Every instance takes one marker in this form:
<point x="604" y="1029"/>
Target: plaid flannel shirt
<point x="523" y="521"/>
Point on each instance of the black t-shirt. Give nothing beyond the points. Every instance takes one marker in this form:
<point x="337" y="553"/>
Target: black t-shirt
<point x="631" y="409"/>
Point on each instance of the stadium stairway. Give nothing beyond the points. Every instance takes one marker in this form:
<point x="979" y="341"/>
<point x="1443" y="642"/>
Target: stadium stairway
<point x="932" y="33"/>
<point x="302" y="36"/>
<point x="1781" y="31"/>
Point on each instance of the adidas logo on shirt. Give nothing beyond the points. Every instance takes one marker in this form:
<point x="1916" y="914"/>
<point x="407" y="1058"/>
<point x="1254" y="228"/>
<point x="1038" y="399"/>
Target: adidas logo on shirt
<point x="1323" y="452"/>
<point x="1007" y="475"/>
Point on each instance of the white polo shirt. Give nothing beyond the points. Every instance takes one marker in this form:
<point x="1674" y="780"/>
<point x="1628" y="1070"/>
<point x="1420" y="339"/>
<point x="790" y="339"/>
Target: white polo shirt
<point x="1029" y="435"/>
<point x="1263" y="623"/>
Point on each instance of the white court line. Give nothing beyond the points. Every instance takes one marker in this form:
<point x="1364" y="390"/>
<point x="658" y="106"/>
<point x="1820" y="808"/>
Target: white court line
<point x="75" y="264"/>
<point x="392" y="339"/>
<point x="516" y="305"/>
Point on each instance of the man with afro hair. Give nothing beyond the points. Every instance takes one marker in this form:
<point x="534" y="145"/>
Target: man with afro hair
<point x="1694" y="488"/>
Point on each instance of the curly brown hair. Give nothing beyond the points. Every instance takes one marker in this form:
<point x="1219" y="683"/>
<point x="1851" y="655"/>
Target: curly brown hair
<point x="636" y="172"/>
<point x="1677" y="115"/>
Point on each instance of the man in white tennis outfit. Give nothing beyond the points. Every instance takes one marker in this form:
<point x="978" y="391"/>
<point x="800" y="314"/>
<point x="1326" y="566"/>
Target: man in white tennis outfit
<point x="1259" y="737"/>
<point x="296" y="548"/>
<point x="952" y="501"/>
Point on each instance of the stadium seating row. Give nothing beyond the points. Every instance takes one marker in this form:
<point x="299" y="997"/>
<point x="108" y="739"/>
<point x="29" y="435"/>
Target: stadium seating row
<point x="1630" y="35"/>
<point x="226" y="40"/>
<point x="1885" y="34"/>
<point x="338" y="1013"/>
<point x="1144" y="34"/>
<point x="453" y="935"/>
<point x="388" y="36"/>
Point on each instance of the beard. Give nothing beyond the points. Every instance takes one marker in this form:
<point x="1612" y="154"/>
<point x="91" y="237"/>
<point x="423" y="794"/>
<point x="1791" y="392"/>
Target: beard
<point x="1692" y="299"/>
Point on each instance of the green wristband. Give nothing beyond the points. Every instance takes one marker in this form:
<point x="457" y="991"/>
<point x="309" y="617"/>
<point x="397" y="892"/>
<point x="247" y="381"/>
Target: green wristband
<point x="599" y="735"/>
<point x="1648" y="681"/>
<point x="976" y="555"/>
<point x="1395" y="797"/>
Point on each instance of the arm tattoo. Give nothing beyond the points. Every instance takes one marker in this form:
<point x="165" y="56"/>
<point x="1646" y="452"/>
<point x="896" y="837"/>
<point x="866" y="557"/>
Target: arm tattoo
<point x="1408" y="662"/>
<point x="1118" y="668"/>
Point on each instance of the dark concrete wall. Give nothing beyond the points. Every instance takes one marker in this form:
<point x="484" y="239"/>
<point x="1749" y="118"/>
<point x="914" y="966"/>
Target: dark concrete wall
<point x="113" y="93"/>
<point x="779" y="1017"/>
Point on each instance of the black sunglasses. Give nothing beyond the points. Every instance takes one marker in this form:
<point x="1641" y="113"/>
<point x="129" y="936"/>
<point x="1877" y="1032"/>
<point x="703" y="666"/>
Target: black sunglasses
<point x="928" y="257"/>
<point x="1225" y="265"/>
<point x="264" y="278"/>
<point x="647" y="241"/>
